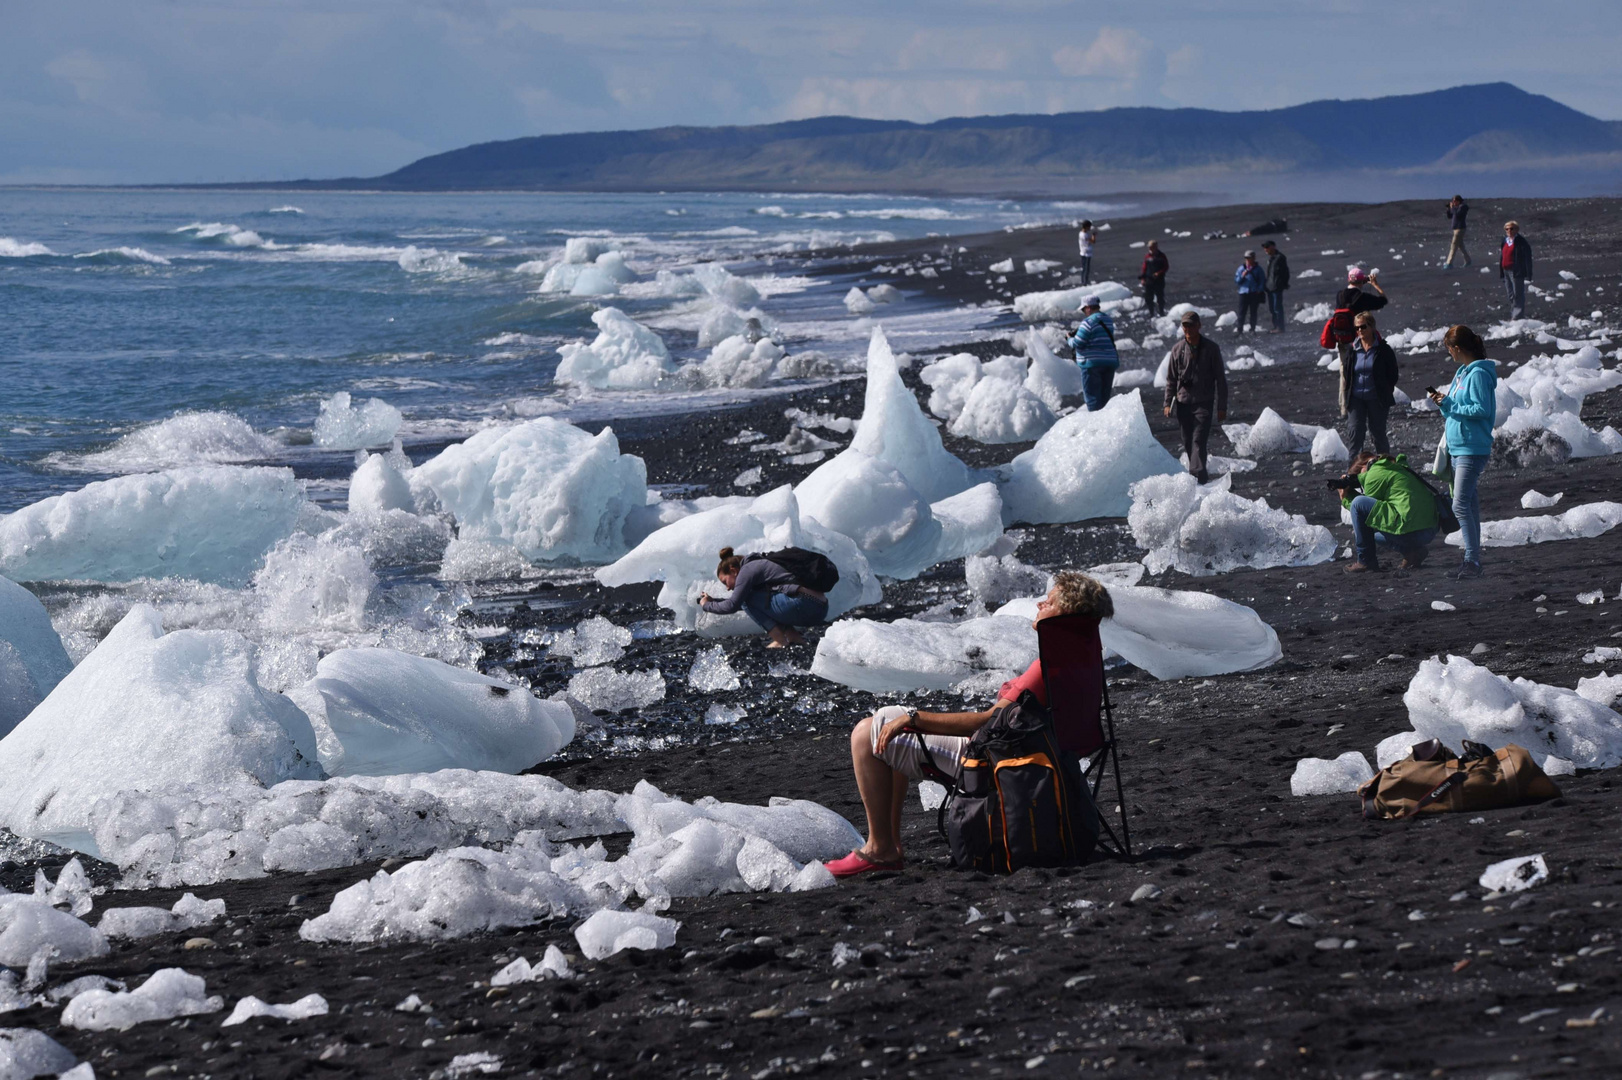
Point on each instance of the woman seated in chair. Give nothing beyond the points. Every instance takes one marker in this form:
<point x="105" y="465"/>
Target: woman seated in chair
<point x="884" y="762"/>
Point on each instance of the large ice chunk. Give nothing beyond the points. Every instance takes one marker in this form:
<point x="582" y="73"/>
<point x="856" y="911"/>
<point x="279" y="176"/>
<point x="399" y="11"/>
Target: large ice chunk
<point x="615" y="691"/>
<point x="1206" y="529"/>
<point x="378" y="486"/>
<point x="1065" y="304"/>
<point x="250" y="1008"/>
<point x="591" y="642"/>
<point x="1173" y="634"/>
<point x="25" y="1053"/>
<point x="1580" y="522"/>
<point x="545" y="487"/>
<point x="737" y="361"/>
<point x="188" y="438"/>
<point x="148" y="710"/>
<point x="609" y="932"/>
<point x="188" y="913"/>
<point x="950" y="379"/>
<point x="683" y="553"/>
<point x="601" y="275"/>
<point x="999" y="411"/>
<point x="1271" y="434"/>
<point x="212" y="523"/>
<point x="29" y="924"/>
<point x="1455" y="699"/>
<point x="1321" y="776"/>
<point x="378" y="711"/>
<point x="894" y="429"/>
<point x="1086" y="465"/>
<point x="343" y="425"/>
<point x="624" y="356"/>
<point x="909" y="654"/>
<point x="169" y="993"/>
<point x="1050" y="377"/>
<point x="32" y="660"/>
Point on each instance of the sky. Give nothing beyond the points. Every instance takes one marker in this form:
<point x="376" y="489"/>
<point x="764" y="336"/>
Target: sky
<point x="155" y="91"/>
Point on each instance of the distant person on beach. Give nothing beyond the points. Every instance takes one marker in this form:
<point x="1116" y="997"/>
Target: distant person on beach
<point x="1153" y="277"/>
<point x="1278" y="279"/>
<point x="1457" y="211"/>
<point x="1196" y="387"/>
<point x="1094" y="345"/>
<point x="1085" y="239"/>
<point x="771" y="594"/>
<point x="1252" y="282"/>
<point x="1515" y="268"/>
<point x="1389" y="505"/>
<point x="897" y="744"/>
<point x="1368" y="387"/>
<point x="1351" y="302"/>
<point x="1470" y="406"/>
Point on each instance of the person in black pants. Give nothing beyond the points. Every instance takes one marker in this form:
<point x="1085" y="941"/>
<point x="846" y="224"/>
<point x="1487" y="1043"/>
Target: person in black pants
<point x="1197" y="387"/>
<point x="1278" y="279"/>
<point x="1153" y="277"/>
<point x="1367" y="390"/>
<point x="1252" y="282"/>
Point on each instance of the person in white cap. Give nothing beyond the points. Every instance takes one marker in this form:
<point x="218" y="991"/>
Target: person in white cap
<point x="1252" y="282"/>
<point x="1094" y="345"/>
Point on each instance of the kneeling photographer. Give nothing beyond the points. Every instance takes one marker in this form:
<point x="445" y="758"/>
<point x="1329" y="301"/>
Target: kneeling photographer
<point x="1390" y="505"/>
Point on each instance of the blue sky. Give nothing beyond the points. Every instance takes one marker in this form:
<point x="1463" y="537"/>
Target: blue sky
<point x="107" y="91"/>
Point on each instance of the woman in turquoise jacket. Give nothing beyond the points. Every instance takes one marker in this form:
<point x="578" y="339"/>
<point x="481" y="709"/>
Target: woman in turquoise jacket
<point x="1470" y="405"/>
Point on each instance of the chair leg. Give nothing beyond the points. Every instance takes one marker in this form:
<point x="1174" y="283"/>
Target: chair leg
<point x="1113" y="750"/>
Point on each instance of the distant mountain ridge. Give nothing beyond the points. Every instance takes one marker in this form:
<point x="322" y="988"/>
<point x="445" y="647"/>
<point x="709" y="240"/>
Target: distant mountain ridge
<point x="1463" y="128"/>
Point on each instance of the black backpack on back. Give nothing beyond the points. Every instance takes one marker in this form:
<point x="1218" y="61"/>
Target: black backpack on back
<point x="1019" y="800"/>
<point x="812" y="569"/>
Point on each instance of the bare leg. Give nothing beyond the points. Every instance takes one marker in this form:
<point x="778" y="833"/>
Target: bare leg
<point x="882" y="790"/>
<point x="783" y="636"/>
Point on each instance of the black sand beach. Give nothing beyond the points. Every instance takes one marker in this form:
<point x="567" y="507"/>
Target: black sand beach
<point x="1226" y="972"/>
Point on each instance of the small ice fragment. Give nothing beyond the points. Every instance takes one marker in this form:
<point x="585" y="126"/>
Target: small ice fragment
<point x="1319" y="776"/>
<point x="25" y="1053"/>
<point x="616" y="691"/>
<point x="1442" y="605"/>
<point x="413" y="1003"/>
<point x="554" y="965"/>
<point x="249" y="1007"/>
<point x="344" y="426"/>
<point x="1558" y="766"/>
<point x="1536" y="500"/>
<point x="607" y="932"/>
<point x="1595" y="597"/>
<point x="169" y="993"/>
<point x="711" y="672"/>
<point x="1515" y="875"/>
<point x="592" y="642"/>
<point x="747" y="478"/>
<point x="846" y="954"/>
<point x="975" y="915"/>
<point x="931" y="794"/>
<point x="478" y="1063"/>
<point x="724" y="715"/>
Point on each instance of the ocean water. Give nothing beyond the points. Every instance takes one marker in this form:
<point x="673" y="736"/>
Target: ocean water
<point x="123" y="308"/>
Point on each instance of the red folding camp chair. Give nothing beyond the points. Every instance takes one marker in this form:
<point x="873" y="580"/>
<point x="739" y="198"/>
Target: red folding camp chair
<point x="1078" y="697"/>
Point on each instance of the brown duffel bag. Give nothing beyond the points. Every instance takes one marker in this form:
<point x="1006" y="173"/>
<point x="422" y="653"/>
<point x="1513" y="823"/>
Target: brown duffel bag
<point x="1434" y="780"/>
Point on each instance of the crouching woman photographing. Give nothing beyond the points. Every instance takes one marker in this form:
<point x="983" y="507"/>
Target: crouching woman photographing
<point x="773" y="593"/>
<point x="1389" y="505"/>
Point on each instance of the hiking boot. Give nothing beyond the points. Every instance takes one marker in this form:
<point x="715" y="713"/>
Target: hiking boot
<point x="1466" y="571"/>
<point x="1414" y="559"/>
<point x="1361" y="567"/>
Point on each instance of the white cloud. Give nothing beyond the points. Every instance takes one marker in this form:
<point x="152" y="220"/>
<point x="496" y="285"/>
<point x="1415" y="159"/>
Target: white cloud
<point x="1115" y="54"/>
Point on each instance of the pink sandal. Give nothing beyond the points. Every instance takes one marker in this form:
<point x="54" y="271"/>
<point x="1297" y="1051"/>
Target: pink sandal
<point x="857" y="863"/>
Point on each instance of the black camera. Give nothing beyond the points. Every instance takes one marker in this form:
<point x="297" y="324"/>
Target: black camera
<point x="1341" y="483"/>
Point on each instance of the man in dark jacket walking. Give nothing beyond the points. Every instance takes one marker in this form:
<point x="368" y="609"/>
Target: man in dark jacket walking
<point x="1278" y="279"/>
<point x="1153" y="276"/>
<point x="1515" y="268"/>
<point x="1367" y="387"/>
<point x="1196" y="387"/>
<point x="1457" y="211"/>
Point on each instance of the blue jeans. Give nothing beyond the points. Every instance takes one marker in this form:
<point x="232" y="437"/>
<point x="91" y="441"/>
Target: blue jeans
<point x="1096" y="385"/>
<point x="1275" y="307"/>
<point x="1364" y="538"/>
<point x="1086" y="269"/>
<point x="1515" y="287"/>
<point x="771" y="608"/>
<point x="1467" y="471"/>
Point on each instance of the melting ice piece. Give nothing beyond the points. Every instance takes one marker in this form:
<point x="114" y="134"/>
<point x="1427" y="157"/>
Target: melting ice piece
<point x="997" y="411"/>
<point x="377" y="487"/>
<point x="1394" y="748"/>
<point x="211" y="523"/>
<point x="1270" y="434"/>
<point x="624" y="356"/>
<point x="481" y="560"/>
<point x="601" y="275"/>
<point x="711" y="672"/>
<point x="1604" y="689"/>
<point x="1206" y="529"/>
<point x="378" y="712"/>
<point x="931" y="794"/>
<point x="169" y="993"/>
<point x="345" y="426"/>
<point x="1328" y="448"/>
<point x="997" y="579"/>
<point x="909" y="654"/>
<point x="187" y="438"/>
<point x="25" y="1053"/>
<point x="1580" y="522"/>
<point x="591" y="642"/>
<point x="32" y="660"/>
<point x="1174" y="634"/>
<point x="546" y="487"/>
<point x="1515" y="875"/>
<point x="723" y="715"/>
<point x="616" y="691"/>
<point x="554" y="965"/>
<point x="1062" y="305"/>
<point x="250" y="1007"/>
<point x="1455" y="700"/>
<point x="28" y="926"/>
<point x="1536" y="500"/>
<point x="148" y="710"/>
<point x="894" y="429"/>
<point x="1086" y="465"/>
<point x="1319" y="776"/>
<point x="682" y="553"/>
<point x="138" y="922"/>
<point x="608" y="932"/>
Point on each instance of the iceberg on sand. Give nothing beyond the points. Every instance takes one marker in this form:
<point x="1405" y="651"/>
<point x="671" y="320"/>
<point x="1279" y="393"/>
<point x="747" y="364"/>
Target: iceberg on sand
<point x="1580" y="522"/>
<point x="1206" y="529"/>
<point x="32" y="660"/>
<point x="624" y="356"/>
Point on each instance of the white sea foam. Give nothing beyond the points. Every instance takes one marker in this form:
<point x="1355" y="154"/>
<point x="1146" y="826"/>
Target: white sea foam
<point x="21" y="249"/>
<point x="132" y="254"/>
<point x="234" y="235"/>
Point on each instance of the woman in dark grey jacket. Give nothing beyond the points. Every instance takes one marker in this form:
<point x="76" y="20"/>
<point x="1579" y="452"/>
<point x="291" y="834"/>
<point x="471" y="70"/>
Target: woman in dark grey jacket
<point x="771" y="596"/>
<point x="1368" y="389"/>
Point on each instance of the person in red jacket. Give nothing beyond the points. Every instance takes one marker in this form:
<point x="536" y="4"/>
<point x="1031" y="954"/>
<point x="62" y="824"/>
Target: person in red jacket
<point x="1515" y="268"/>
<point x="1153" y="276"/>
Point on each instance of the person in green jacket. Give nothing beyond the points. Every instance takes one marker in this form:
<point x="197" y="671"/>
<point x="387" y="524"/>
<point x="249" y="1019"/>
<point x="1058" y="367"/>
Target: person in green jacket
<point x="1389" y="505"/>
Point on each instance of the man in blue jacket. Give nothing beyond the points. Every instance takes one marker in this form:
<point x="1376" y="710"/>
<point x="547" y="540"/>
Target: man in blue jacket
<point x="1094" y="345"/>
<point x="1515" y="268"/>
<point x="1252" y="282"/>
